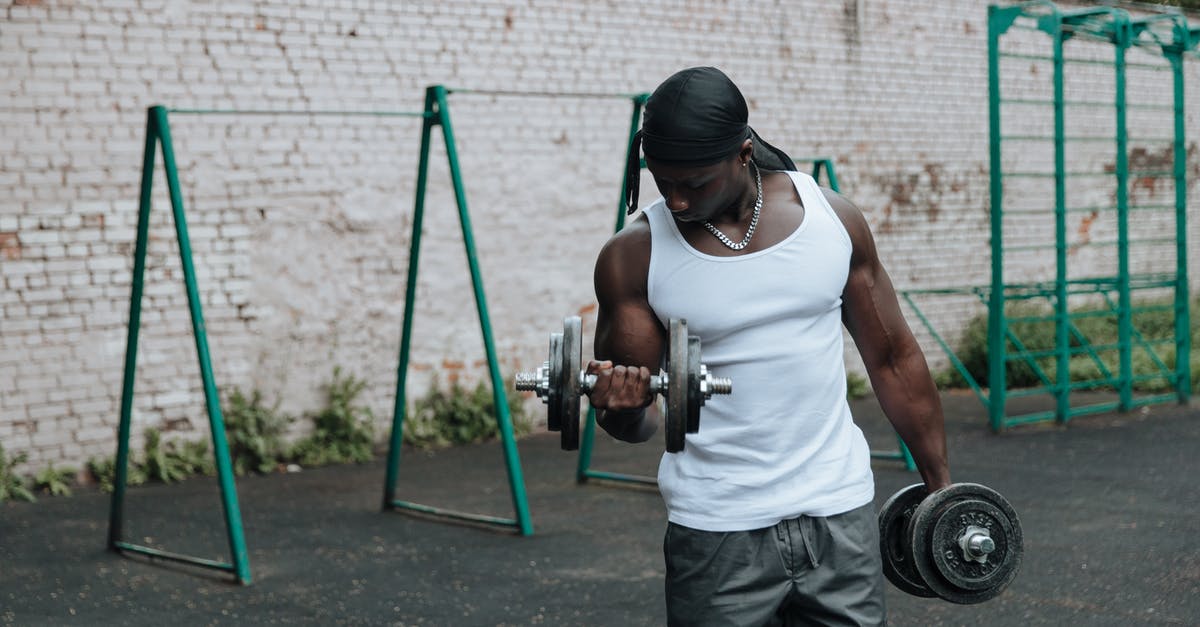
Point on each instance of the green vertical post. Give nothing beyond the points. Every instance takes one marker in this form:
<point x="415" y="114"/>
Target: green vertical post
<point x="1183" y="329"/>
<point x="1062" y="378"/>
<point x="410" y="306"/>
<point x="1122" y="40"/>
<point x="233" y="516"/>
<point x="117" y="506"/>
<point x="996" y="320"/>
<point x="589" y="426"/>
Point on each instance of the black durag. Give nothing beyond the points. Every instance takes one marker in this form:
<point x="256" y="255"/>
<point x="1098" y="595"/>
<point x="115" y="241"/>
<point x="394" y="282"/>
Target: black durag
<point x="696" y="117"/>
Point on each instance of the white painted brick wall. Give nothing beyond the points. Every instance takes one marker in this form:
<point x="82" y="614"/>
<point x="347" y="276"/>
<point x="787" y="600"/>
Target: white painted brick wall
<point x="300" y="224"/>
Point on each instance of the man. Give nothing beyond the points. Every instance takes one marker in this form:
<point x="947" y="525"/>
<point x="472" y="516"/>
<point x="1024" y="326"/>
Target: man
<point x="770" y="504"/>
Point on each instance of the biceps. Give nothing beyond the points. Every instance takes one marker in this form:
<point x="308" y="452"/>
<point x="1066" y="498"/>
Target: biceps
<point x="629" y="334"/>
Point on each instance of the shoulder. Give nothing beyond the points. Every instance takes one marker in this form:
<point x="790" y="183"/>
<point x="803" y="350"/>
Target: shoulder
<point x="855" y="222"/>
<point x="624" y="261"/>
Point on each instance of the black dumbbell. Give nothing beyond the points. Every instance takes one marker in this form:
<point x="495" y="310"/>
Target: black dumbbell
<point x="962" y="543"/>
<point x="686" y="384"/>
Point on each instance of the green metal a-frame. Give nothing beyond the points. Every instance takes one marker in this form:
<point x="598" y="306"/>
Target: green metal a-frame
<point x="437" y="113"/>
<point x="1020" y="185"/>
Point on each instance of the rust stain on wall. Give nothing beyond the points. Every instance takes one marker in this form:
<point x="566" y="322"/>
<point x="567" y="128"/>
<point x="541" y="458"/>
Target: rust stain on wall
<point x="10" y="246"/>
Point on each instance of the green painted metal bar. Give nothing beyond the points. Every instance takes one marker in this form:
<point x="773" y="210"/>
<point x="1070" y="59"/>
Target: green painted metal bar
<point x="174" y="557"/>
<point x="621" y="477"/>
<point x="1077" y="61"/>
<point x="320" y="112"/>
<point x="1122" y="40"/>
<point x="456" y="514"/>
<point x="583" y="470"/>
<point x="1155" y="399"/>
<point x="233" y="516"/>
<point x="410" y="298"/>
<point x="120" y="480"/>
<point x="1061" y="336"/>
<point x="1183" y="329"/>
<point x="499" y="397"/>
<point x="998" y="22"/>
<point x="543" y="94"/>
<point x="954" y="360"/>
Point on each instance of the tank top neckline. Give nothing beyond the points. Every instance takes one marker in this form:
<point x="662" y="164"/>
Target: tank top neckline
<point x="809" y="207"/>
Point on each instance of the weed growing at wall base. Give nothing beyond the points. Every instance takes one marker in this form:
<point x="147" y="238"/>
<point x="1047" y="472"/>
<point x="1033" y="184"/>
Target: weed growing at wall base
<point x="12" y="485"/>
<point x="255" y="433"/>
<point x="343" y="430"/>
<point x="456" y="415"/>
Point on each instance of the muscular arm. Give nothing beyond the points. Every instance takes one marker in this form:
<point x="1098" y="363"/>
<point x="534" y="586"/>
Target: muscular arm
<point x="894" y="361"/>
<point x="629" y="338"/>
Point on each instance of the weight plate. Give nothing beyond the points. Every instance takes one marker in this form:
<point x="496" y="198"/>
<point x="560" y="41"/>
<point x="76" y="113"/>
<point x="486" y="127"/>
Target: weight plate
<point x="554" y="394"/>
<point x="572" y="345"/>
<point x="677" y="382"/>
<point x="950" y="557"/>
<point x="941" y="521"/>
<point x="695" y="396"/>
<point x="895" y="542"/>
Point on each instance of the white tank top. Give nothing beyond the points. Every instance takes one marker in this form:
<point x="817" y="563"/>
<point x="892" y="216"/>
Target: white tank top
<point x="783" y="444"/>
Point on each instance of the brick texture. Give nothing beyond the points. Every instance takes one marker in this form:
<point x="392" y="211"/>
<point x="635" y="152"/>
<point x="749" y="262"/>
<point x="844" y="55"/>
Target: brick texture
<point x="299" y="224"/>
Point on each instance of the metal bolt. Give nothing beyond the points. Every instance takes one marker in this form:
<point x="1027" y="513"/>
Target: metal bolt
<point x="976" y="544"/>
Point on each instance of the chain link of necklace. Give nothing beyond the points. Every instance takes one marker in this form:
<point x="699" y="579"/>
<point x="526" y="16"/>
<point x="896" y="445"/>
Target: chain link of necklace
<point x="753" y="219"/>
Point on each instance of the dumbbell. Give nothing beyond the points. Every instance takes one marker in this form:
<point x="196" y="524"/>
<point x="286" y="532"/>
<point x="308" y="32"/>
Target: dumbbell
<point x="686" y="384"/>
<point x="962" y="543"/>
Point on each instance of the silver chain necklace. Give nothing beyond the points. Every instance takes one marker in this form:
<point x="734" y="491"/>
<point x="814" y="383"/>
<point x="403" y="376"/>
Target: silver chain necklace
<point x="753" y="219"/>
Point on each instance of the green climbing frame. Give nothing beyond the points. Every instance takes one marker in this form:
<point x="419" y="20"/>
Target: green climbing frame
<point x="1062" y="155"/>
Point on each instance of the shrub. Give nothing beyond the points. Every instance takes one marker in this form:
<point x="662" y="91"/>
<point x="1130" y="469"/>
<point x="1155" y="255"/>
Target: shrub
<point x="54" y="481"/>
<point x="343" y="431"/>
<point x="255" y="433"/>
<point x="12" y="485"/>
<point x="455" y="415"/>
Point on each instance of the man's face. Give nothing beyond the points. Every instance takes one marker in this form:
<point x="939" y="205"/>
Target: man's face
<point x="697" y="193"/>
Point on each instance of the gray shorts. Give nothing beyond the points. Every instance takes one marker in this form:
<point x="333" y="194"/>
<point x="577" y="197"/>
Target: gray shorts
<point x="802" y="571"/>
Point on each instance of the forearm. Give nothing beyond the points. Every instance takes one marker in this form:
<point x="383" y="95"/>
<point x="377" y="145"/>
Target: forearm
<point x="634" y="426"/>
<point x="910" y="400"/>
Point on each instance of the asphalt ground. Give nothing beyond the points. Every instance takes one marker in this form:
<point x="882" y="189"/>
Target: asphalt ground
<point x="1109" y="505"/>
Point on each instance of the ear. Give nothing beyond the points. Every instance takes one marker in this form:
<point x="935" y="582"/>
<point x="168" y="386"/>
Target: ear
<point x="746" y="152"/>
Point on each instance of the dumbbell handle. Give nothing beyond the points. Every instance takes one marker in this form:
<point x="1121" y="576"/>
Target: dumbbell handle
<point x="535" y="382"/>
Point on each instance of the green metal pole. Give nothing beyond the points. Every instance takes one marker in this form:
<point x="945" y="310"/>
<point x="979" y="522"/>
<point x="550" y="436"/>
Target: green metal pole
<point x="410" y="306"/>
<point x="117" y="508"/>
<point x="1124" y="313"/>
<point x="589" y="426"/>
<point x="1062" y="378"/>
<point x="1183" y="329"/>
<point x="996" y="321"/>
<point x="516" y="482"/>
<point x="233" y="516"/>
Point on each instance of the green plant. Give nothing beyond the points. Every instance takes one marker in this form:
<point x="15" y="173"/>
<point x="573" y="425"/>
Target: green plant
<point x="255" y="433"/>
<point x="856" y="386"/>
<point x="343" y="431"/>
<point x="12" y="485"/>
<point x="456" y="415"/>
<point x="54" y="481"/>
<point x="161" y="464"/>
<point x="104" y="471"/>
